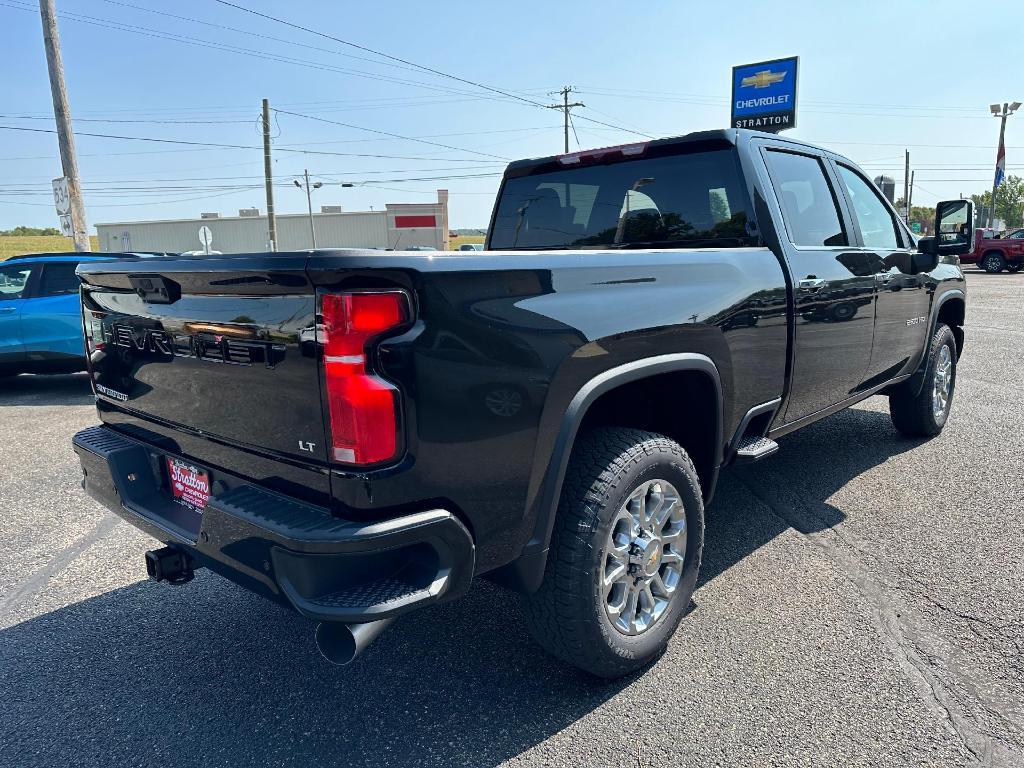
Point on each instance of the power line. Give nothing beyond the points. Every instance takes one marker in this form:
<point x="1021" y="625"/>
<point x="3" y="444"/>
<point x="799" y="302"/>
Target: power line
<point x="255" y="34"/>
<point x="708" y="99"/>
<point x="199" y="42"/>
<point x="109" y="120"/>
<point x="422" y="67"/>
<point x="237" y="146"/>
<point x="575" y="135"/>
<point x="387" y="133"/>
<point x="240" y="111"/>
<point x="46" y="185"/>
<point x="137" y="186"/>
<point x="908" y="144"/>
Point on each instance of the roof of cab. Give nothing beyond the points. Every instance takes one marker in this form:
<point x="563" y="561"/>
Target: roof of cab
<point x="731" y="136"/>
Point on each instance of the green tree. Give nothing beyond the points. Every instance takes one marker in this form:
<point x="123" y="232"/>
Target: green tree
<point x="29" y="232"/>
<point x="924" y="216"/>
<point x="1009" y="203"/>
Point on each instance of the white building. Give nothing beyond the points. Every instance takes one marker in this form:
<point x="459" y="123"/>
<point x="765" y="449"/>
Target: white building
<point x="398" y="226"/>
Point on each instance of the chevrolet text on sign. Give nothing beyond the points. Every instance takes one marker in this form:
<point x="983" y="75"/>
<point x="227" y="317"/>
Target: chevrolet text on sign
<point x="764" y="95"/>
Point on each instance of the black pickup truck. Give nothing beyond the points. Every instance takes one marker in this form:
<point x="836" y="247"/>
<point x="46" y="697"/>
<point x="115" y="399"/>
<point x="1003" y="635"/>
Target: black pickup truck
<point x="357" y="434"/>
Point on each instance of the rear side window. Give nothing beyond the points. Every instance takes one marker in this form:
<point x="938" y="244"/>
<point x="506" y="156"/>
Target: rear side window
<point x="59" y="279"/>
<point x="13" y="281"/>
<point x="808" y="204"/>
<point x="877" y="228"/>
<point x="681" y="199"/>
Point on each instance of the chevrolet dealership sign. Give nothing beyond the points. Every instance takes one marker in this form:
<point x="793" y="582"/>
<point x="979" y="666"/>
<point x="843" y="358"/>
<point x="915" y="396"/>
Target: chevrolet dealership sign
<point x="764" y="95"/>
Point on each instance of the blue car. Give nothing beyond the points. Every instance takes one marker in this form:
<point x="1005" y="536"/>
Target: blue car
<point x="40" y="313"/>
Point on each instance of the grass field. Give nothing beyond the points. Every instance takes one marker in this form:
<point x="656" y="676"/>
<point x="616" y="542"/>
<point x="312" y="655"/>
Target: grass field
<point x="12" y="246"/>
<point x="455" y="242"/>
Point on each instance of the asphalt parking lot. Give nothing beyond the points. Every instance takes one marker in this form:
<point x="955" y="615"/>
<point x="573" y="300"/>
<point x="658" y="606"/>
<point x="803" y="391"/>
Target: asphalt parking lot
<point x="862" y="603"/>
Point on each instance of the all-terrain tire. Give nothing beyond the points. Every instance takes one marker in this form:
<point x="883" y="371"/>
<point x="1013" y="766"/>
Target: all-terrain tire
<point x="567" y="615"/>
<point x="916" y="415"/>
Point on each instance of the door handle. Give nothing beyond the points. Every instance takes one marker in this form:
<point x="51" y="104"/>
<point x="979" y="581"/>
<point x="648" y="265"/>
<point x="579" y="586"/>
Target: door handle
<point x="811" y="283"/>
<point x="6" y="310"/>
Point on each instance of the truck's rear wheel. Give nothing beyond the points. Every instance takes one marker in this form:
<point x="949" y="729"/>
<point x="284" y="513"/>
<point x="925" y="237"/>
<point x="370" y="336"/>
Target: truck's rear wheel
<point x="992" y="262"/>
<point x="925" y="414"/>
<point x="625" y="553"/>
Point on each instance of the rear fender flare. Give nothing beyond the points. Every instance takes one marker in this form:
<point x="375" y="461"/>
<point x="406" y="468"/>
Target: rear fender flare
<point x="527" y="572"/>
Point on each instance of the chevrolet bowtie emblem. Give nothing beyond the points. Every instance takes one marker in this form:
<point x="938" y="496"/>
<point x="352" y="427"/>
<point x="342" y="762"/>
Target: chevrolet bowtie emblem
<point x="763" y="79"/>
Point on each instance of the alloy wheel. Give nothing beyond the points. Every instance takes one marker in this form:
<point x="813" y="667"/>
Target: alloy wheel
<point x="942" y="383"/>
<point x="642" y="561"/>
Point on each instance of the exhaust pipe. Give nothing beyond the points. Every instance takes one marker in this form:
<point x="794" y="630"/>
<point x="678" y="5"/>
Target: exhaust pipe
<point x="341" y="643"/>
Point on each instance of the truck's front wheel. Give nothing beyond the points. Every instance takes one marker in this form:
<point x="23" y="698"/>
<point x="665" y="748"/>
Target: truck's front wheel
<point x="925" y="414"/>
<point x="625" y="553"/>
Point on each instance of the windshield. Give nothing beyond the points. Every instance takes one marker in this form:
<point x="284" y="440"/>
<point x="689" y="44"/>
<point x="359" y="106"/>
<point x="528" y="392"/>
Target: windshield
<point x="696" y="199"/>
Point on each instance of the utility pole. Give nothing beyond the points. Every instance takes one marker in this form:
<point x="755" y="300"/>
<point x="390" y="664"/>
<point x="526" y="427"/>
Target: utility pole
<point x="271" y="218"/>
<point x="565" y="106"/>
<point x="309" y="202"/>
<point x="906" y="188"/>
<point x="62" y="116"/>
<point x="1005" y="112"/>
<point x="910" y="196"/>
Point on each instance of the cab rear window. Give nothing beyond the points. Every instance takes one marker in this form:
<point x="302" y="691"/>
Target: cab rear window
<point x="680" y="200"/>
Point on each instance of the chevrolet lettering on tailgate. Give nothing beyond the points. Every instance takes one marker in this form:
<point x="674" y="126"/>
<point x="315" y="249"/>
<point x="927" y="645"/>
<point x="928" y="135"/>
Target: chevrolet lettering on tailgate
<point x="213" y="347"/>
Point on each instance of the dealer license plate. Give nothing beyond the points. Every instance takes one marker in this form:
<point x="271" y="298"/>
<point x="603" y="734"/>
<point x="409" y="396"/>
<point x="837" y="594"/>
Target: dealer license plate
<point x="190" y="485"/>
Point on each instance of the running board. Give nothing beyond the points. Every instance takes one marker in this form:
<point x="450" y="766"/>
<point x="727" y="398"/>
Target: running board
<point x="754" y="449"/>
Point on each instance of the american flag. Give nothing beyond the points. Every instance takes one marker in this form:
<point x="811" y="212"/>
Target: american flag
<point x="1000" y="163"/>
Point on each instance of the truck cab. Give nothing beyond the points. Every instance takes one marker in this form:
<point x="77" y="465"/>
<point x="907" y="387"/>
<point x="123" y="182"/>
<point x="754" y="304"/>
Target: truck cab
<point x="357" y="435"/>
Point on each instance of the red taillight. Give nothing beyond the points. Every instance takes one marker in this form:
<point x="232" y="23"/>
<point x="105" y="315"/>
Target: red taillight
<point x="363" y="408"/>
<point x="92" y="323"/>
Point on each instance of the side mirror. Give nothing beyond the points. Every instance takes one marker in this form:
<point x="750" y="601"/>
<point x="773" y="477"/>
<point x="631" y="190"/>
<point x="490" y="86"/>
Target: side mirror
<point x="927" y="257"/>
<point x="954" y="226"/>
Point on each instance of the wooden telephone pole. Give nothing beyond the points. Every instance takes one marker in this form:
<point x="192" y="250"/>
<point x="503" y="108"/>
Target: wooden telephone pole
<point x="62" y="116"/>
<point x="565" y="106"/>
<point x="271" y="218"/>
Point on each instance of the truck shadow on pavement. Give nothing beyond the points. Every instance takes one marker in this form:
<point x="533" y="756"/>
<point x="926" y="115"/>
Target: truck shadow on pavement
<point x="208" y="674"/>
<point x="62" y="389"/>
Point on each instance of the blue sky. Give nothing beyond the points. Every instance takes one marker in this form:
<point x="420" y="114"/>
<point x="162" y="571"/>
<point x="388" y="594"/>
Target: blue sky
<point x="875" y="77"/>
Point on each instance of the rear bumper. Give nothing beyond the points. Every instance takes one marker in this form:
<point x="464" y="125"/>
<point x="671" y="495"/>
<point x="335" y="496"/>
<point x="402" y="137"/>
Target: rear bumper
<point x="326" y="568"/>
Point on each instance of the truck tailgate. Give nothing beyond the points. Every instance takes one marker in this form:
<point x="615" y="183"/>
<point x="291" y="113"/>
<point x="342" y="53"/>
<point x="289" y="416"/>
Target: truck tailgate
<point x="223" y="347"/>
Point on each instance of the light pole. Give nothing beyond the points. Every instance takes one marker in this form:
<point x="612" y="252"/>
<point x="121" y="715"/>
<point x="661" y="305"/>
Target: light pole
<point x="1002" y="114"/>
<point x="309" y="202"/>
<point x="309" y="199"/>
